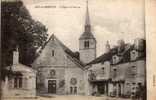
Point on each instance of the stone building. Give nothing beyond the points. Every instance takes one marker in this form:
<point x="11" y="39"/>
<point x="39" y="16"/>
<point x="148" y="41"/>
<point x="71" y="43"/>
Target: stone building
<point x="119" y="71"/>
<point x="20" y="80"/>
<point x="59" y="69"/>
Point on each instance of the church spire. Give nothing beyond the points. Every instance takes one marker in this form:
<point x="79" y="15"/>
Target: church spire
<point x="87" y="15"/>
<point x="87" y="34"/>
<point x="87" y="20"/>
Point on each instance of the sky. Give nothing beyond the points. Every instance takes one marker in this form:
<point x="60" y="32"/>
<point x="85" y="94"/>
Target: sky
<point x="111" y="20"/>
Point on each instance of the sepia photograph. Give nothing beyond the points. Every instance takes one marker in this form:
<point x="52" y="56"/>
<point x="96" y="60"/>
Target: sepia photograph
<point x="73" y="50"/>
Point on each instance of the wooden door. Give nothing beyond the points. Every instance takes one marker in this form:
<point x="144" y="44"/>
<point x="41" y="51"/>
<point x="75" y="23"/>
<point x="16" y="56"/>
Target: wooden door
<point x="52" y="86"/>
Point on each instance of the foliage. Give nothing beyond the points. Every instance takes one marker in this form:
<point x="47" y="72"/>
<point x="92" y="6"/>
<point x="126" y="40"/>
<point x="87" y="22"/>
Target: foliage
<point x="19" y="29"/>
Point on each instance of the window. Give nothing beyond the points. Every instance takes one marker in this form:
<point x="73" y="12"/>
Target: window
<point x="52" y="72"/>
<point x="73" y="90"/>
<point x="73" y="81"/>
<point x="52" y="53"/>
<point x="133" y="71"/>
<point x="133" y="53"/>
<point x="115" y="59"/>
<point x="114" y="73"/>
<point x="86" y="44"/>
<point x="18" y="82"/>
<point x="103" y="70"/>
<point x="15" y="83"/>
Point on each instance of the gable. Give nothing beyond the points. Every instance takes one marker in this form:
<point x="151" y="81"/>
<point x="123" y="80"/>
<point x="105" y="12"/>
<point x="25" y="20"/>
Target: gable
<point x="55" y="53"/>
<point x="46" y="57"/>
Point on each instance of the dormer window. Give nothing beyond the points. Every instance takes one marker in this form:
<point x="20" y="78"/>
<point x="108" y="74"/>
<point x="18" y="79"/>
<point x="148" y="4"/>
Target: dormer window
<point x="134" y="55"/>
<point x="53" y="53"/>
<point x="115" y="59"/>
<point x="86" y="44"/>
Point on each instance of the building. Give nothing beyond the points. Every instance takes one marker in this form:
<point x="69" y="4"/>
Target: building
<point x="120" y="71"/>
<point x="20" y="80"/>
<point x="61" y="71"/>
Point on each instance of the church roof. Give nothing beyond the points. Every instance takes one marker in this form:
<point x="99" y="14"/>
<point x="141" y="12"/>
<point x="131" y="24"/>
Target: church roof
<point x="87" y="35"/>
<point x="69" y="52"/>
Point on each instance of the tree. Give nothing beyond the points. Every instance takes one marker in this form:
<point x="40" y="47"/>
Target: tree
<point x="19" y="29"/>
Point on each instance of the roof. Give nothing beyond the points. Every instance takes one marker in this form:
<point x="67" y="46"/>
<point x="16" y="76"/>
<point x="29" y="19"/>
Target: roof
<point x="102" y="58"/>
<point x="87" y="35"/>
<point x="73" y="56"/>
<point x="87" y="22"/>
<point x="125" y="55"/>
<point x="70" y="53"/>
<point x="20" y="68"/>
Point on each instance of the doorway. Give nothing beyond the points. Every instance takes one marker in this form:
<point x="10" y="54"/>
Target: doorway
<point x="52" y="86"/>
<point x="73" y="90"/>
<point x="101" y="88"/>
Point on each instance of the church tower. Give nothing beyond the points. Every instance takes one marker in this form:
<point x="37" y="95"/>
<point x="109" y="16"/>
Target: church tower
<point x="87" y="42"/>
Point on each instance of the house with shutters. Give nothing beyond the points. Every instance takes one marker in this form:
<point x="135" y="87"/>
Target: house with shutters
<point x="120" y="71"/>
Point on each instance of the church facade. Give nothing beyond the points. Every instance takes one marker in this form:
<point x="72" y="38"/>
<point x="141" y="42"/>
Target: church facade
<point x="59" y="70"/>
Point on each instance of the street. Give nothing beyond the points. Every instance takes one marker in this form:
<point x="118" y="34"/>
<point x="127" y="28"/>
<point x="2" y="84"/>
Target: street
<point x="69" y="97"/>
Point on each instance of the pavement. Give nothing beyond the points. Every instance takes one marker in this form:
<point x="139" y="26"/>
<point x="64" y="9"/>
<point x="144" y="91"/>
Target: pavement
<point x="69" y="97"/>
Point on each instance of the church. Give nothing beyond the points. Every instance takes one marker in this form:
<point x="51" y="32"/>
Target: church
<point x="62" y="71"/>
<point x="120" y="71"/>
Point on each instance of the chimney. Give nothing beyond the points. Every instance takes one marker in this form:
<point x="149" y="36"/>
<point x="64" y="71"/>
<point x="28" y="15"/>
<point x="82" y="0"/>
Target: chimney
<point x="15" y="56"/>
<point x="107" y="47"/>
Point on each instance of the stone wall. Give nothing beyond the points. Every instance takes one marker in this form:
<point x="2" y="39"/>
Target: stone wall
<point x="63" y="64"/>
